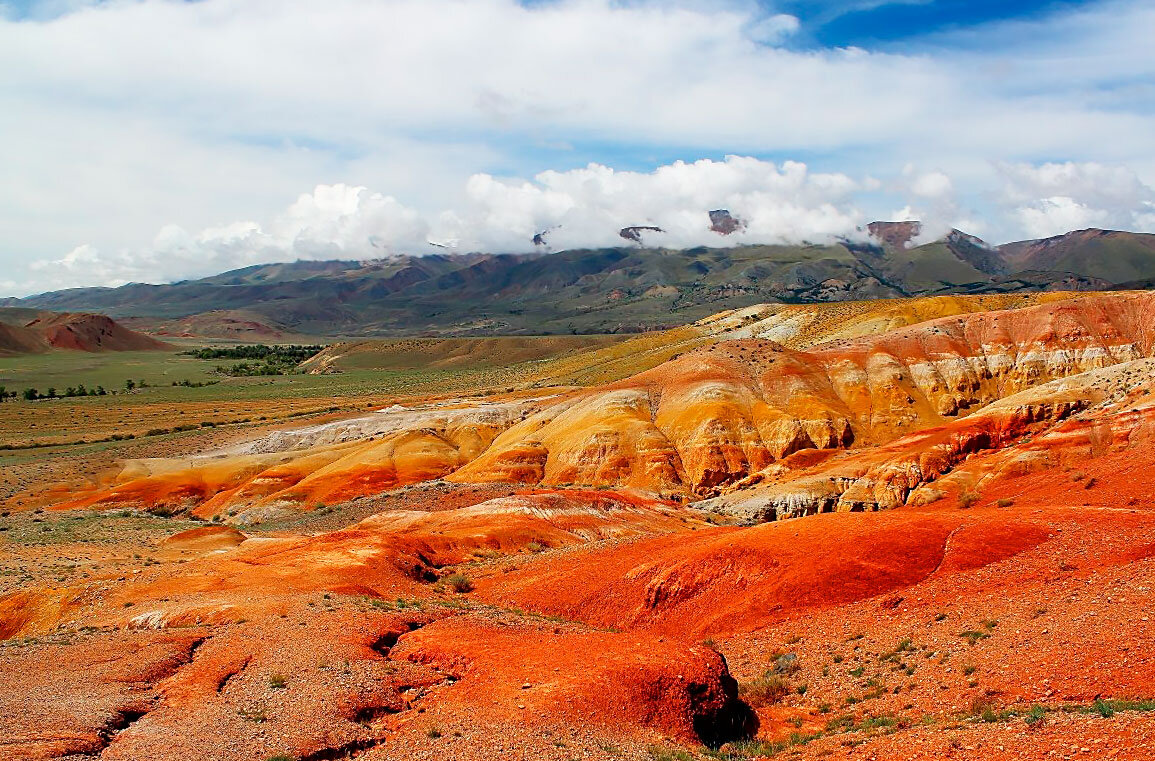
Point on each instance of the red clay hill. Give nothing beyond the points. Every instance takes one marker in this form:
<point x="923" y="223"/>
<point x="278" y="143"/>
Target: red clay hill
<point x="77" y="331"/>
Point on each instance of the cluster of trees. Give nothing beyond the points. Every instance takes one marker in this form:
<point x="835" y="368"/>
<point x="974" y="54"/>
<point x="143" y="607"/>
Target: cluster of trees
<point x="31" y="394"/>
<point x="295" y="353"/>
<point x="195" y="384"/>
<point x="261" y="359"/>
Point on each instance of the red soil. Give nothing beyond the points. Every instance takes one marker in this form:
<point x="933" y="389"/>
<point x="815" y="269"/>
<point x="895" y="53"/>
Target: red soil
<point x="922" y="632"/>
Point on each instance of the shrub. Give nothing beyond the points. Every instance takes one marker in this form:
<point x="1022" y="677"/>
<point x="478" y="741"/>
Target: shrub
<point x="967" y="500"/>
<point x="1103" y="708"/>
<point x="984" y="709"/>
<point x="278" y="681"/>
<point x="1005" y="502"/>
<point x="787" y="663"/>
<point x="459" y="583"/>
<point x="972" y="636"/>
<point x="1035" y="716"/>
<point x="765" y="690"/>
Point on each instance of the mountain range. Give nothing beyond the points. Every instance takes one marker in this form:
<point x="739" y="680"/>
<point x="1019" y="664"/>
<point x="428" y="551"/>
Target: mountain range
<point x="612" y="290"/>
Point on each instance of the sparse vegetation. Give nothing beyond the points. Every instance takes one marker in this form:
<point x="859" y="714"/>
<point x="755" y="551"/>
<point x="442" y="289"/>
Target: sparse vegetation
<point x="972" y="636"/>
<point x="459" y="583"/>
<point x="765" y="690"/>
<point x="967" y="500"/>
<point x="278" y="681"/>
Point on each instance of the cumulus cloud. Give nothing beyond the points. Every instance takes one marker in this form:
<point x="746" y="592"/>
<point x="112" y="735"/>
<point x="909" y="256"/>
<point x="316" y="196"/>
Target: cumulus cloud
<point x="122" y="118"/>
<point x="1054" y="198"/>
<point x="332" y="222"/>
<point x="579" y="208"/>
<point x="587" y="207"/>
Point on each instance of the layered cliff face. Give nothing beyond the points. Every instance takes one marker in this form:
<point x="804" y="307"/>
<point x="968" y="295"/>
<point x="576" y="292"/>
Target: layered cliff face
<point x="310" y="466"/>
<point x="718" y="414"/>
<point x="740" y="408"/>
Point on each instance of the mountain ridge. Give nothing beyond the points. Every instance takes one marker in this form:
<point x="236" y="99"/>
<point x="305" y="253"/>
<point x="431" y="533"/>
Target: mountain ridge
<point x="616" y="290"/>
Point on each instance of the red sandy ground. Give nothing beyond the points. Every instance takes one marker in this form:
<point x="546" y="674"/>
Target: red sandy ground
<point x="1059" y="582"/>
<point x="602" y="624"/>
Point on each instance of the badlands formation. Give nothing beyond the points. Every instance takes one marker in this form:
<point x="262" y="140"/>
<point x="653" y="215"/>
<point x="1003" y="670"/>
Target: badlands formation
<point x="892" y="530"/>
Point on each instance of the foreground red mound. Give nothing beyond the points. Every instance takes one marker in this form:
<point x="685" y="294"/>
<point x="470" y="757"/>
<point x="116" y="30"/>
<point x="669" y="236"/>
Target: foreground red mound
<point x="724" y="581"/>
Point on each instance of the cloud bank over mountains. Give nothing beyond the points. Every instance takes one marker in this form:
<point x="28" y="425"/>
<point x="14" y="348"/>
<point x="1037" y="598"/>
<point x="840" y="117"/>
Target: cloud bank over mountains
<point x="481" y="123"/>
<point x="587" y="207"/>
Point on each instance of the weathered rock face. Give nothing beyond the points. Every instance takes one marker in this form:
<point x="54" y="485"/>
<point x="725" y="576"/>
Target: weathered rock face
<point x="700" y="423"/>
<point x="719" y="414"/>
<point x="315" y="465"/>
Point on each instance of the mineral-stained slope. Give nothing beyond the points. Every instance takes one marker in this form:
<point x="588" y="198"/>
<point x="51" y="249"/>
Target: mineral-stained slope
<point x="695" y="425"/>
<point x="74" y="331"/>
<point x="719" y="414"/>
<point x="583" y="603"/>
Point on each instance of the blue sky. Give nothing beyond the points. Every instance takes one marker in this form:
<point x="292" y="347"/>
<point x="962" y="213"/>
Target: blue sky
<point x="157" y="139"/>
<point x="872" y="24"/>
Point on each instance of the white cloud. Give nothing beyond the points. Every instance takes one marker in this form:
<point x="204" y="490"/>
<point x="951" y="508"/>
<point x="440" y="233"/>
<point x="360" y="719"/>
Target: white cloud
<point x="580" y="208"/>
<point x="1054" y="198"/>
<point x="119" y="119"/>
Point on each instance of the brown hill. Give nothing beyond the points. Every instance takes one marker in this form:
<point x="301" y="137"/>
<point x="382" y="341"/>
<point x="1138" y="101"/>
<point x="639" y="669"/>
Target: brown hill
<point x="16" y="339"/>
<point x="1110" y="255"/>
<point x="91" y="332"/>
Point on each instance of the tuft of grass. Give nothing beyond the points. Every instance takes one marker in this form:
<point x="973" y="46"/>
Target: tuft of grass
<point x="972" y="636"/>
<point x="1103" y="708"/>
<point x="765" y="690"/>
<point x="278" y="681"/>
<point x="459" y="583"/>
<point x="661" y="753"/>
<point x="967" y="500"/>
<point x="1005" y="502"/>
<point x="1036" y="716"/>
<point x="433" y="733"/>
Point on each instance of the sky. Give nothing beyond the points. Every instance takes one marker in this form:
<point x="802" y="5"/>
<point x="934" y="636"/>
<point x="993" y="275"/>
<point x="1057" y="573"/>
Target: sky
<point x="158" y="140"/>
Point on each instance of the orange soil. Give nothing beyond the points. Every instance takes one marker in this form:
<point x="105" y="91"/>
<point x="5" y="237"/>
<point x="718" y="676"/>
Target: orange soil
<point x="582" y="635"/>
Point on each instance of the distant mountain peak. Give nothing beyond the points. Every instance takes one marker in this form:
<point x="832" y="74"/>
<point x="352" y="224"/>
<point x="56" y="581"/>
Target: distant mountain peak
<point x="895" y="234"/>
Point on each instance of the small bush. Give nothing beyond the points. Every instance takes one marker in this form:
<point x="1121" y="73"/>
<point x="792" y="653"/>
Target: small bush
<point x="972" y="637"/>
<point x="1036" y="716"/>
<point x="1103" y="708"/>
<point x="765" y="690"/>
<point x="278" y="681"/>
<point x="967" y="500"/>
<point x="984" y="709"/>
<point x="459" y="583"/>
<point x="1005" y="502"/>
<point x="787" y="663"/>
